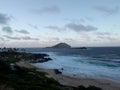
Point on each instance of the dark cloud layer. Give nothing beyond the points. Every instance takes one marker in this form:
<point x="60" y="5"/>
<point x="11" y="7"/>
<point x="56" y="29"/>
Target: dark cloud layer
<point x="22" y="31"/>
<point x="4" y="19"/>
<point x="51" y="9"/>
<point x="74" y="27"/>
<point x="107" y="10"/>
<point x="80" y="27"/>
<point x="7" y="29"/>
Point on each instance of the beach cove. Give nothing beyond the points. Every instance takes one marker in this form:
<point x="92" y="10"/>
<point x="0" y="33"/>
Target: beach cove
<point x="73" y="80"/>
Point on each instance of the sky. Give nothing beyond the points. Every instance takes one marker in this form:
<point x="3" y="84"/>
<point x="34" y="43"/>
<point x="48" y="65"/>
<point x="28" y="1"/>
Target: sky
<point x="43" y="23"/>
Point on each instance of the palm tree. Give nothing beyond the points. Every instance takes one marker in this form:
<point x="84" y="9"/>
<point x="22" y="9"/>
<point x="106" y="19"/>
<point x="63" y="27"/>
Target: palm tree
<point x="4" y="49"/>
<point x="0" y="49"/>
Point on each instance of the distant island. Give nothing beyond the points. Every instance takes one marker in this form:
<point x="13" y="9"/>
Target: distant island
<point x="61" y="45"/>
<point x="65" y="45"/>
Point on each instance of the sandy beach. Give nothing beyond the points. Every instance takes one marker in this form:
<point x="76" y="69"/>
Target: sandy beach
<point x="73" y="80"/>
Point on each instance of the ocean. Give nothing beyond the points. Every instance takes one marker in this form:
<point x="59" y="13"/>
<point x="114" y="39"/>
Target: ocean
<point x="99" y="62"/>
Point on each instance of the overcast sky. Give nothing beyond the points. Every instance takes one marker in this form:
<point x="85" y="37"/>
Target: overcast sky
<point x="42" y="23"/>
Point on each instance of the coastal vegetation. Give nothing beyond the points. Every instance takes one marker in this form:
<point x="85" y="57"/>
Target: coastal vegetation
<point x="14" y="77"/>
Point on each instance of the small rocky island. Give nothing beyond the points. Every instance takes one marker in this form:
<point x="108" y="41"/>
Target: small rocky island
<point x="65" y="45"/>
<point x="61" y="45"/>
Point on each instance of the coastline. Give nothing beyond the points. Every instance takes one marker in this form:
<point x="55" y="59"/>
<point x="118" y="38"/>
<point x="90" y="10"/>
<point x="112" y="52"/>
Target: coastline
<point x="73" y="80"/>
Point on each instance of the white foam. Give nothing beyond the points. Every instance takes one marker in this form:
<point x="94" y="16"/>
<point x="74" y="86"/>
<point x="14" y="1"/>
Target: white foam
<point x="78" y="66"/>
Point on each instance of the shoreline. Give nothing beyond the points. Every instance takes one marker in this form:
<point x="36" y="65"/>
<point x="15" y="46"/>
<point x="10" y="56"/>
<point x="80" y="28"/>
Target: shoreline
<point x="75" y="81"/>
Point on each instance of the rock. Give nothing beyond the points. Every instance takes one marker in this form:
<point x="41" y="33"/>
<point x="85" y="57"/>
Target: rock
<point x="39" y="58"/>
<point x="80" y="48"/>
<point x="12" y="67"/>
<point x="62" y="68"/>
<point x="57" y="71"/>
<point x="83" y="48"/>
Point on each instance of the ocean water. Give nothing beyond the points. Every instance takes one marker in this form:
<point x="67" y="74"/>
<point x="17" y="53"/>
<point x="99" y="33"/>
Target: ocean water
<point x="99" y="62"/>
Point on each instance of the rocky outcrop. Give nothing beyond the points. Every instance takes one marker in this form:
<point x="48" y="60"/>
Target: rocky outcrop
<point x="80" y="48"/>
<point x="57" y="71"/>
<point x="39" y="58"/>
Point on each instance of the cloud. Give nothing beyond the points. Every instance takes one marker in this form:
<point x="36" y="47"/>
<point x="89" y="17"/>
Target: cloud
<point x="108" y="38"/>
<point x="22" y="31"/>
<point x="33" y="26"/>
<point x="2" y="39"/>
<point x="51" y="9"/>
<point x="80" y="27"/>
<point x="107" y="10"/>
<point x="28" y="38"/>
<point x="55" y="28"/>
<point x="69" y="40"/>
<point x="102" y="33"/>
<point x="4" y="19"/>
<point x="20" y="37"/>
<point x="2" y="44"/>
<point x="76" y="20"/>
<point x="105" y="36"/>
<point x="85" y="36"/>
<point x="74" y="27"/>
<point x="7" y="29"/>
<point x="50" y="39"/>
<point x="13" y="38"/>
<point x="23" y="44"/>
